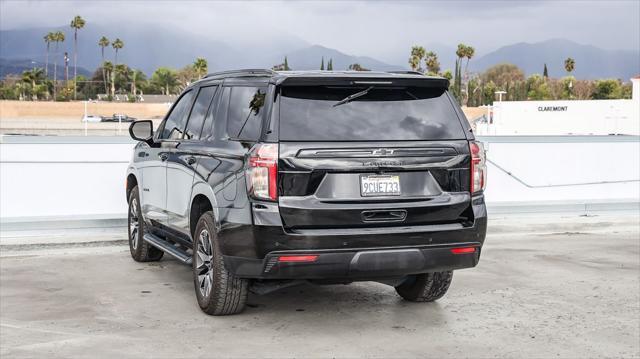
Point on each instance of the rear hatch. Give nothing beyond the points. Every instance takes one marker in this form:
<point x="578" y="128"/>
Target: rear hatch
<point x="371" y="155"/>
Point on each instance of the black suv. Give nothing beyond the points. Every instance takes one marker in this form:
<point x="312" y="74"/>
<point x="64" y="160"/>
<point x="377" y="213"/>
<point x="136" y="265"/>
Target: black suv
<point x="262" y="180"/>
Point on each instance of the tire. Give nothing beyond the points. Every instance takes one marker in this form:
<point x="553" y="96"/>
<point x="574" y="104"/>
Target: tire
<point x="141" y="251"/>
<point x="218" y="291"/>
<point x="425" y="287"/>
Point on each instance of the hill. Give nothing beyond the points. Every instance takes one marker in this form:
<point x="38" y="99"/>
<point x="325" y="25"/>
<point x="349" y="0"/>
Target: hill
<point x="17" y="66"/>
<point x="310" y="57"/>
<point x="591" y="62"/>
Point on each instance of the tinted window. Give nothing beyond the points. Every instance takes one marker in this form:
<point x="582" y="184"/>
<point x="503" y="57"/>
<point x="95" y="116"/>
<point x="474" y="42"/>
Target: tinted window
<point x="245" y="112"/>
<point x="199" y="111"/>
<point x="214" y="112"/>
<point x="174" y="126"/>
<point x="411" y="113"/>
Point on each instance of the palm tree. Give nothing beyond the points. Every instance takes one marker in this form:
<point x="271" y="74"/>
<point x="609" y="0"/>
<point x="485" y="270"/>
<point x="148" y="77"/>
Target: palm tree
<point x="417" y="54"/>
<point x="138" y="78"/>
<point x="77" y="23"/>
<point x="569" y="65"/>
<point x="107" y="67"/>
<point x="58" y="37"/>
<point x="461" y="52"/>
<point x="468" y="53"/>
<point x="48" y="38"/>
<point x="164" y="78"/>
<point x="103" y="42"/>
<point x="117" y="44"/>
<point x="201" y="66"/>
<point x="431" y="60"/>
<point x="31" y="77"/>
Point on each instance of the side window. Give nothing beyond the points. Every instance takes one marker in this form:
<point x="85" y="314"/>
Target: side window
<point x="217" y="111"/>
<point x="199" y="111"/>
<point x="174" y="126"/>
<point x="245" y="112"/>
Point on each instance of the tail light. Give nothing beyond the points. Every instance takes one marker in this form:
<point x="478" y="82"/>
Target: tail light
<point x="263" y="171"/>
<point x="478" y="167"/>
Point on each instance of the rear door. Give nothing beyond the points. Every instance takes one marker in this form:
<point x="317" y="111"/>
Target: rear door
<point x="182" y="161"/>
<point x="391" y="156"/>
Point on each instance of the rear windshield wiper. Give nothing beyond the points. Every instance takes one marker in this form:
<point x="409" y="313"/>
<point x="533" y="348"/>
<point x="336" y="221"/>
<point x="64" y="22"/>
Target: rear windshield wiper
<point x="352" y="97"/>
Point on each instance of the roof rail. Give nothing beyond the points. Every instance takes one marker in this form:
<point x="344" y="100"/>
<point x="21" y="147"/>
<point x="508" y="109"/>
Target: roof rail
<point x="406" y="72"/>
<point x="242" y="72"/>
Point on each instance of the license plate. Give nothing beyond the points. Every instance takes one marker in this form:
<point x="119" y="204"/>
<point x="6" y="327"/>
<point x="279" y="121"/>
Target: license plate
<point x="379" y="185"/>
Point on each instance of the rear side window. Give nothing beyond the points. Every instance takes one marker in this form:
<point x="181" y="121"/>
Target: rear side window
<point x="312" y="113"/>
<point x="245" y="112"/>
<point x="174" y="126"/>
<point x="199" y="111"/>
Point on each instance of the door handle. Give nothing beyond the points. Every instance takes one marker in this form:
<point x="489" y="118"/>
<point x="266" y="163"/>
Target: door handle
<point x="163" y="157"/>
<point x="191" y="160"/>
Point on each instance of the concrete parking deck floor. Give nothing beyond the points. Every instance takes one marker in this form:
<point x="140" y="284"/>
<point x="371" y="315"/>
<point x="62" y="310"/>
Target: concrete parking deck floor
<point x="540" y="290"/>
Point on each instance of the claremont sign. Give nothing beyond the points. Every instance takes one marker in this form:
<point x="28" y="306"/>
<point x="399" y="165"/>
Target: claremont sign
<point x="552" y="108"/>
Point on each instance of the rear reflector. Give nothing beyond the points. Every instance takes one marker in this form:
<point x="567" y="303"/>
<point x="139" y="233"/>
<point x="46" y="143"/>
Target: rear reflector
<point x="297" y="258"/>
<point x="463" y="250"/>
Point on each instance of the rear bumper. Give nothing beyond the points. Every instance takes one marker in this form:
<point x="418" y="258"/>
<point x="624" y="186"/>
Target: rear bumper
<point x="361" y="264"/>
<point x="354" y="254"/>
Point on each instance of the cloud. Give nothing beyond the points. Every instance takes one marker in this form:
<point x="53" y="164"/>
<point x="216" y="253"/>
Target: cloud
<point x="380" y="29"/>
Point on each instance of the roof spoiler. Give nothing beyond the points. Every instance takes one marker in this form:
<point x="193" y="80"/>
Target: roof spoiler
<point x="435" y="82"/>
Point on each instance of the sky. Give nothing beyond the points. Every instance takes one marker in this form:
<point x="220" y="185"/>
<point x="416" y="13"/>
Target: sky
<point x="380" y="29"/>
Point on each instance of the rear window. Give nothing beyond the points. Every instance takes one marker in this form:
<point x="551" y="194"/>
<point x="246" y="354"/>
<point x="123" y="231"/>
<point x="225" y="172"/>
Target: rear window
<point x="307" y="113"/>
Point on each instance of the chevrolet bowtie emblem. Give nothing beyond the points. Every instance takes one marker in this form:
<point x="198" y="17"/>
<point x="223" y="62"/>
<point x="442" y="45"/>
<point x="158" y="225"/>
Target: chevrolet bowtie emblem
<point x="382" y="152"/>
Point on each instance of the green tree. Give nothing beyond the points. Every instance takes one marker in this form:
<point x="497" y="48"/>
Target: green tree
<point x="103" y="42"/>
<point x="138" y="81"/>
<point x="107" y="67"/>
<point x="357" y="67"/>
<point x="48" y="39"/>
<point x="415" y="59"/>
<point x="165" y="79"/>
<point x="505" y="77"/>
<point x="330" y="65"/>
<point x="569" y="65"/>
<point x="58" y="37"/>
<point x="77" y="23"/>
<point x="200" y="66"/>
<point x="537" y="88"/>
<point x="545" y="72"/>
<point x="461" y="52"/>
<point x="322" y="64"/>
<point x="286" y="64"/>
<point x="432" y="63"/>
<point x="447" y="75"/>
<point x="32" y="78"/>
<point x="607" y="89"/>
<point x="117" y="44"/>
<point x="468" y="54"/>
<point x="185" y="76"/>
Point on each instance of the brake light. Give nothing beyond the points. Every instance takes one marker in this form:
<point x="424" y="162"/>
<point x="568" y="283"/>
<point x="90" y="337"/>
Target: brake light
<point x="307" y="258"/>
<point x="463" y="250"/>
<point x="263" y="171"/>
<point x="478" y="167"/>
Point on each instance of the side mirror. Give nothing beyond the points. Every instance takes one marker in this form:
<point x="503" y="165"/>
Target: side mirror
<point x="142" y="131"/>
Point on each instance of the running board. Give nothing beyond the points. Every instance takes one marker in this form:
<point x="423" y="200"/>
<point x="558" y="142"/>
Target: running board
<point x="168" y="248"/>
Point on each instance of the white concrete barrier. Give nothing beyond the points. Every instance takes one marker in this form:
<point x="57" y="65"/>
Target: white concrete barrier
<point x="60" y="177"/>
<point x="84" y="177"/>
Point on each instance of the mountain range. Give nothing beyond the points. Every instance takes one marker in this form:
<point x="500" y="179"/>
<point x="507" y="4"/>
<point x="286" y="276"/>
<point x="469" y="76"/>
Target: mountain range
<point x="150" y="47"/>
